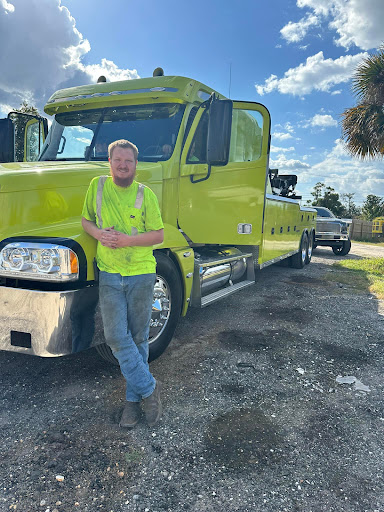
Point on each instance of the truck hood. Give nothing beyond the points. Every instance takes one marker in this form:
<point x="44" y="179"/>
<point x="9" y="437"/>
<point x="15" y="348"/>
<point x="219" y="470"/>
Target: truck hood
<point x="332" y="220"/>
<point x="48" y="197"/>
<point x="24" y="176"/>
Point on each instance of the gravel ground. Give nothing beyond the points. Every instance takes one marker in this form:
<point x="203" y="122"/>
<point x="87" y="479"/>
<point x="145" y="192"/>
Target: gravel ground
<point x="254" y="420"/>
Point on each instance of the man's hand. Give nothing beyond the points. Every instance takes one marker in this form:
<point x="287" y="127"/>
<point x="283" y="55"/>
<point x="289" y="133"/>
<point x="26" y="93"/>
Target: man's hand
<point x="107" y="237"/>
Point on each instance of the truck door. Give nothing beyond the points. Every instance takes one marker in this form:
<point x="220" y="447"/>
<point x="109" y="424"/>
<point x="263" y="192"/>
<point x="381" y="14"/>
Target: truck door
<point x="226" y="205"/>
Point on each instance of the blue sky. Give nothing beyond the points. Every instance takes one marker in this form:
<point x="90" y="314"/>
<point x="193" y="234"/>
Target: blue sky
<point x="294" y="56"/>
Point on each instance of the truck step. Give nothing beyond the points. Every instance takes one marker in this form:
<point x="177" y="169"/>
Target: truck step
<point x="224" y="292"/>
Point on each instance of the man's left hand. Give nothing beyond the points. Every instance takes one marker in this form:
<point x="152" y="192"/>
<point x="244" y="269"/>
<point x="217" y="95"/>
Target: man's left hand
<point x="122" y="240"/>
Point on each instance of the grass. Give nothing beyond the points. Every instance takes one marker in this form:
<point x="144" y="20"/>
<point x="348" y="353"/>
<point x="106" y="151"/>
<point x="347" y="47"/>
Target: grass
<point x="371" y="241"/>
<point x="365" y="274"/>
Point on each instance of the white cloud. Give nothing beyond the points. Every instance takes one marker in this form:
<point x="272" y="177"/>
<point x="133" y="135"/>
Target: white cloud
<point x="42" y="50"/>
<point x="346" y="174"/>
<point x="7" y="6"/>
<point x="282" y="136"/>
<point x="284" y="164"/>
<point x="5" y="109"/>
<point x="320" y="121"/>
<point x="323" y="120"/>
<point x="110" y="70"/>
<point x="295" y="32"/>
<point x="316" y="73"/>
<point x="356" y="22"/>
<point x="276" y="149"/>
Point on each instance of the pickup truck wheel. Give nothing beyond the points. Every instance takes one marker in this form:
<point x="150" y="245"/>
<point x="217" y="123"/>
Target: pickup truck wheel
<point x="310" y="248"/>
<point x="342" y="250"/>
<point x="166" y="308"/>
<point x="298" y="259"/>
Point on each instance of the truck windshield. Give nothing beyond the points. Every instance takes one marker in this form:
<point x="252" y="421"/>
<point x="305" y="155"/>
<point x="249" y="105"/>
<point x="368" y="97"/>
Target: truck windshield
<point x="85" y="135"/>
<point x="324" y="212"/>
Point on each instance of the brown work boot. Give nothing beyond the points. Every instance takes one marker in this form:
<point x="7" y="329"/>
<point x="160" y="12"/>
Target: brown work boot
<point x="131" y="415"/>
<point x="152" y="406"/>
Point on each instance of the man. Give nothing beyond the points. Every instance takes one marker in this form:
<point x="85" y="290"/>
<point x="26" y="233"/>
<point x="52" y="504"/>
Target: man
<point x="125" y="219"/>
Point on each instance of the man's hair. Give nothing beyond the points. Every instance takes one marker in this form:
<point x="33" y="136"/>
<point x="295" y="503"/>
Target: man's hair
<point x="122" y="143"/>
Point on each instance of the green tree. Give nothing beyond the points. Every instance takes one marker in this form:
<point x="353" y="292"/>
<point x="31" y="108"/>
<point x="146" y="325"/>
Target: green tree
<point x="373" y="207"/>
<point x="351" y="210"/>
<point x="25" y="108"/>
<point x="327" y="197"/>
<point x="363" y="124"/>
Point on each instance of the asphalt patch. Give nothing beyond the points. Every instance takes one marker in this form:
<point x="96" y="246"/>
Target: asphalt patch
<point x="254" y="341"/>
<point x="232" y="388"/>
<point x="290" y="314"/>
<point x="242" y="438"/>
<point x="342" y="353"/>
<point x="312" y="281"/>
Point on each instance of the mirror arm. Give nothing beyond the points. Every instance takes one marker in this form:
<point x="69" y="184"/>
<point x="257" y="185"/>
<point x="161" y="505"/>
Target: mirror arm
<point x="202" y="179"/>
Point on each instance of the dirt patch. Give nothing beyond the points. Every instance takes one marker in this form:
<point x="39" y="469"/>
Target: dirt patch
<point x="253" y="341"/>
<point x="306" y="280"/>
<point x="232" y="388"/>
<point x="243" y="437"/>
<point x="85" y="465"/>
<point x="342" y="353"/>
<point x="294" y="314"/>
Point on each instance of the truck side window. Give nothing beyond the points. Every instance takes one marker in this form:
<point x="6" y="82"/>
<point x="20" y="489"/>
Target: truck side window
<point x="246" y="136"/>
<point x="33" y="141"/>
<point x="198" y="150"/>
<point x="191" y="117"/>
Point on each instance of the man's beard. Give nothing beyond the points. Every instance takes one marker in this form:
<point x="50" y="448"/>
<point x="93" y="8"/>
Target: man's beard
<point x="123" y="182"/>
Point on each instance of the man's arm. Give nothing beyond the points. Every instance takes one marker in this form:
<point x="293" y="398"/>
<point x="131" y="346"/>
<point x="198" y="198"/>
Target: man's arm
<point x="106" y="237"/>
<point x="113" y="239"/>
<point x="142" y="240"/>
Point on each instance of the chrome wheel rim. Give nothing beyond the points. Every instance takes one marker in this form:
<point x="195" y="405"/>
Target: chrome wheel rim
<point x="310" y="247"/>
<point x="303" y="254"/>
<point x="161" y="308"/>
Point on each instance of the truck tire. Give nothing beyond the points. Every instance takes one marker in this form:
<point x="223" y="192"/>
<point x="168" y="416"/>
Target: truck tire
<point x="168" y="286"/>
<point x="298" y="259"/>
<point x="167" y="294"/>
<point x="344" y="249"/>
<point x="310" y="247"/>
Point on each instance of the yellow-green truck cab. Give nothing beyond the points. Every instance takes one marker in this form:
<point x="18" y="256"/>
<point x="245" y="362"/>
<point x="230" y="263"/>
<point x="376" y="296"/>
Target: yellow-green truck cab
<point x="226" y="214"/>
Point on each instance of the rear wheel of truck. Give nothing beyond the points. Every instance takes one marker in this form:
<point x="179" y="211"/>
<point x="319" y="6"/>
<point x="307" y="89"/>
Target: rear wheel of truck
<point x="342" y="250"/>
<point x="298" y="259"/>
<point x="310" y="247"/>
<point x="166" y="308"/>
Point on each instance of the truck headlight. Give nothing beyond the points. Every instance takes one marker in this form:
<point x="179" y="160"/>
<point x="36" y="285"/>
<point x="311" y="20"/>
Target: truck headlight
<point x="39" y="261"/>
<point x="344" y="227"/>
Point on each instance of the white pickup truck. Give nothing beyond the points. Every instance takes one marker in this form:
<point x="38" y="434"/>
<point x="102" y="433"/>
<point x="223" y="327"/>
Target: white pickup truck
<point x="332" y="232"/>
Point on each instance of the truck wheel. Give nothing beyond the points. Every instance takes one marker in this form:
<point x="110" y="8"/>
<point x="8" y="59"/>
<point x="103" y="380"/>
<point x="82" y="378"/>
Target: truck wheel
<point x="309" y="248"/>
<point x="166" y="308"/>
<point x="344" y="249"/>
<point x="298" y="259"/>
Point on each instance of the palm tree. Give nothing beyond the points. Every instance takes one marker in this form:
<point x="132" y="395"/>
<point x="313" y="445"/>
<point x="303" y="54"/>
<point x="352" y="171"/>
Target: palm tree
<point x="363" y="125"/>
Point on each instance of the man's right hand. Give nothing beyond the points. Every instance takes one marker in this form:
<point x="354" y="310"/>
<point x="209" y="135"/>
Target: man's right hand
<point x="108" y="237"/>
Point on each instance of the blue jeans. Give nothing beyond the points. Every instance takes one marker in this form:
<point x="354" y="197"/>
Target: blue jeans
<point x="126" y="308"/>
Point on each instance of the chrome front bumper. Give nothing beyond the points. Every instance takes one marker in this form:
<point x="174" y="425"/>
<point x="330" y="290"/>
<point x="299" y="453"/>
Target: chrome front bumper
<point x="331" y="236"/>
<point x="47" y="324"/>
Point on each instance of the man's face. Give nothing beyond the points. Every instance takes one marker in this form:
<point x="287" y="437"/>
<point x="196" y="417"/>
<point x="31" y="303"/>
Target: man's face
<point x="123" y="166"/>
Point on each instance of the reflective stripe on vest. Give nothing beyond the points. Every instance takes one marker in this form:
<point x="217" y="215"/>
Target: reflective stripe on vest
<point x="99" y="200"/>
